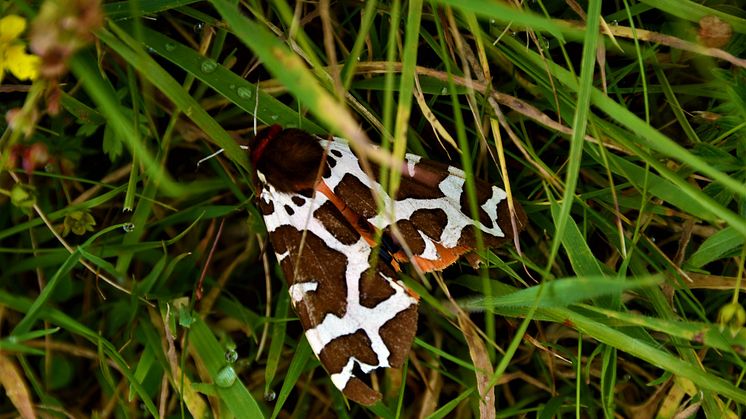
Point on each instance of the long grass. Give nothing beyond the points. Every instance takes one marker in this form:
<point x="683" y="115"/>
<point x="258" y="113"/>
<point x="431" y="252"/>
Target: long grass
<point x="136" y="281"/>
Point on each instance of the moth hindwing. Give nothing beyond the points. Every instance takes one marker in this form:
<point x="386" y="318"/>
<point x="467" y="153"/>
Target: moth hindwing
<point x="321" y="215"/>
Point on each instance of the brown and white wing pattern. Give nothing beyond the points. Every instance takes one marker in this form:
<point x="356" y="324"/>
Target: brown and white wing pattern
<point x="431" y="208"/>
<point x="356" y="317"/>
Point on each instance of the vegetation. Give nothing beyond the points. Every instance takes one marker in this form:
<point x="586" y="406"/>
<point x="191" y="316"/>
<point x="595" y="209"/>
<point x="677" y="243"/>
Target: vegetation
<point x="136" y="279"/>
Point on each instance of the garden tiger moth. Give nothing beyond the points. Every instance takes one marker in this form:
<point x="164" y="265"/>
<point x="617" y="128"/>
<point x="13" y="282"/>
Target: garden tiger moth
<point x="321" y="214"/>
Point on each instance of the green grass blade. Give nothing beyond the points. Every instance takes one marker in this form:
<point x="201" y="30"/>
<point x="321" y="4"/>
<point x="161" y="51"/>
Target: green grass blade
<point x="580" y="120"/>
<point x="561" y="293"/>
<point x="297" y="366"/>
<point x="238" y="399"/>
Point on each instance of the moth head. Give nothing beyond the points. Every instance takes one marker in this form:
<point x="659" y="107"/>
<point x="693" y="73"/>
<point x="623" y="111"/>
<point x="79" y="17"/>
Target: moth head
<point x="288" y="159"/>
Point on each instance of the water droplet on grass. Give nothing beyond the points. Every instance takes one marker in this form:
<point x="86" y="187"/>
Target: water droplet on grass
<point x="226" y="377"/>
<point x="208" y="66"/>
<point x="244" y="93"/>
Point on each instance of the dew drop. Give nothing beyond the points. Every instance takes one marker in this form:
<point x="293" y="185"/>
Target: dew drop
<point x="208" y="66"/>
<point x="231" y="356"/>
<point x="232" y="86"/>
<point x="270" y="396"/>
<point x="274" y="117"/>
<point x="226" y="377"/>
<point x="170" y="47"/>
<point x="244" y="93"/>
<point x="128" y="227"/>
<point x="198" y="27"/>
<point x="444" y="91"/>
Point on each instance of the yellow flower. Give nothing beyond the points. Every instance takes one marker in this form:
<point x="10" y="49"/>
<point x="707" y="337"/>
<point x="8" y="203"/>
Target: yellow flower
<point x="13" y="56"/>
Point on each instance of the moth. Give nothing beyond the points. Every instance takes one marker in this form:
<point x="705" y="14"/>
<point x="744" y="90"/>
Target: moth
<point x="340" y="254"/>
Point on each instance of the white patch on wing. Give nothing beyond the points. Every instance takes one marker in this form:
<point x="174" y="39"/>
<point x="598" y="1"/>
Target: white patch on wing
<point x="490" y="207"/>
<point x="299" y="290"/>
<point x="412" y="160"/>
<point x="340" y="379"/>
<point x="430" y="251"/>
<point x="452" y="186"/>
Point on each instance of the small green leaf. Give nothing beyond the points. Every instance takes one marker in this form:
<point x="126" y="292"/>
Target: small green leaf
<point x="112" y="146"/>
<point x="23" y="196"/>
<point x="724" y="243"/>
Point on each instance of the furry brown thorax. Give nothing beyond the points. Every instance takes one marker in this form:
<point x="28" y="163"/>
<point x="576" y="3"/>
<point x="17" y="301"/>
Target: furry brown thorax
<point x="288" y="159"/>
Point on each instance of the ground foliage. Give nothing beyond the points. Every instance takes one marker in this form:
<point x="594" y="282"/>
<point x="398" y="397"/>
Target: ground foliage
<point x="136" y="281"/>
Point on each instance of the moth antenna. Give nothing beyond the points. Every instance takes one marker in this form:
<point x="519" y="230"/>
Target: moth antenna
<point x="204" y="159"/>
<point x="220" y="150"/>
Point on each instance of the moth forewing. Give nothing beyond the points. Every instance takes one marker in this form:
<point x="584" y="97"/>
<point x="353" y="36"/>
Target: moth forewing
<point x="430" y="210"/>
<point x="357" y="317"/>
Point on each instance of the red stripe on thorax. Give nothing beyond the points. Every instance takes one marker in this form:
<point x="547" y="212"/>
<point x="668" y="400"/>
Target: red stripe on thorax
<point x="266" y="137"/>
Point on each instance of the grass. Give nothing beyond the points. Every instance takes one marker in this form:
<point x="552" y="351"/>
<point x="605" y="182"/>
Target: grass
<point x="132" y="276"/>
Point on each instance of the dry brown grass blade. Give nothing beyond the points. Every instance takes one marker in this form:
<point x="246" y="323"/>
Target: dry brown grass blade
<point x="433" y="379"/>
<point x="194" y="402"/>
<point x="711" y="282"/>
<point x="481" y="360"/>
<point x="670" y="41"/>
<point x="429" y="399"/>
<point x="441" y="133"/>
<point x="15" y="386"/>
<point x="674" y="399"/>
